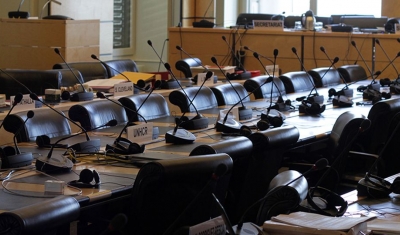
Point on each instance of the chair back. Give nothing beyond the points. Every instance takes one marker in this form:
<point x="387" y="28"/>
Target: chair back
<point x="89" y="70"/>
<point x="154" y="107"/>
<point x="297" y="81"/>
<point x="325" y="77"/>
<point x="262" y="90"/>
<point x="97" y="113"/>
<point x="177" y="193"/>
<point x="113" y="67"/>
<point x="227" y="94"/>
<point x="185" y="64"/>
<point x="352" y="72"/>
<point x="205" y="99"/>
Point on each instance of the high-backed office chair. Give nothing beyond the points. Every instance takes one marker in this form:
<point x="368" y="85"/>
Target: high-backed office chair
<point x="267" y="159"/>
<point x="261" y="91"/>
<point x="352" y="72"/>
<point x="185" y="64"/>
<point x="68" y="78"/>
<point x="297" y="81"/>
<point x="325" y="76"/>
<point x="290" y="21"/>
<point x="226" y="94"/>
<point x="44" y="122"/>
<point x="155" y="106"/>
<point x="324" y="19"/>
<point x="204" y="100"/>
<point x="97" y="113"/>
<point x="121" y="65"/>
<point x="177" y="193"/>
<point x="89" y="70"/>
<point x="240" y="150"/>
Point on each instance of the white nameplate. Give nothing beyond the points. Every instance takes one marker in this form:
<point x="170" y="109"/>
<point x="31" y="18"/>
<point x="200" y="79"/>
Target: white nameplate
<point x="275" y="25"/>
<point x="26" y="103"/>
<point x="123" y="89"/>
<point x="214" y="226"/>
<point x="233" y="114"/>
<point x="202" y="76"/>
<point x="270" y="70"/>
<point x="141" y="134"/>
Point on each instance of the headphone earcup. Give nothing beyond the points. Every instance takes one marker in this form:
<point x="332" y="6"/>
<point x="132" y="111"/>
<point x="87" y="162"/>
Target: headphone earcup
<point x="276" y="121"/>
<point x="135" y="148"/>
<point x="386" y="95"/>
<point x="86" y="176"/>
<point x="385" y="82"/>
<point x="9" y="151"/>
<point x="333" y="200"/>
<point x="331" y="92"/>
<point x="245" y="131"/>
<point x="263" y="125"/>
<point x="65" y="95"/>
<point x="42" y="141"/>
<point x="96" y="177"/>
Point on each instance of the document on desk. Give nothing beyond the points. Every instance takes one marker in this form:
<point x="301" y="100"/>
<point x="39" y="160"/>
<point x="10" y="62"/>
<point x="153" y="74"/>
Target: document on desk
<point x="309" y="223"/>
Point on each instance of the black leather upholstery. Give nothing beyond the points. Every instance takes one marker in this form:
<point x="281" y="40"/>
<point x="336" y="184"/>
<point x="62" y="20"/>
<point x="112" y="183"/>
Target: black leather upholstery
<point x="325" y="76"/>
<point x="268" y="149"/>
<point x="155" y="106"/>
<point x="204" y="100"/>
<point x="253" y="85"/>
<point x="44" y="122"/>
<point x="240" y="150"/>
<point x="96" y="113"/>
<point x="297" y="81"/>
<point x="69" y="79"/>
<point x="352" y="73"/>
<point x="163" y="189"/>
<point x="36" y="80"/>
<point x="89" y="70"/>
<point x="41" y="218"/>
<point x="121" y="65"/>
<point x="185" y="64"/>
<point x="226" y="94"/>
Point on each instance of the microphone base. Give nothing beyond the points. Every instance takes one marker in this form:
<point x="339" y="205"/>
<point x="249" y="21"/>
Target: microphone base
<point x="245" y="75"/>
<point x="196" y="123"/>
<point x="281" y="107"/>
<point x="248" y="228"/>
<point x="203" y="24"/>
<point x="342" y="101"/>
<point x="316" y="99"/>
<point x="18" y="14"/>
<point x="82" y="96"/>
<point x="181" y="136"/>
<point x="170" y="84"/>
<point x="305" y="109"/>
<point x="53" y="164"/>
<point x="372" y="94"/>
<point x="365" y="188"/>
<point x="245" y="113"/>
<point x="347" y="92"/>
<point x="15" y="161"/>
<point x="230" y="126"/>
<point x="90" y="146"/>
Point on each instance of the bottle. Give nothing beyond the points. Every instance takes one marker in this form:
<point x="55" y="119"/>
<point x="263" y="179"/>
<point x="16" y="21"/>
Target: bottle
<point x="310" y="23"/>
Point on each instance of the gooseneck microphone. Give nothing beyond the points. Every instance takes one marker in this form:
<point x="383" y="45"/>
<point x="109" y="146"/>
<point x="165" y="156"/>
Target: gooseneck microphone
<point x="88" y="146"/>
<point x="248" y="49"/>
<point x="245" y="74"/>
<point x="171" y="83"/>
<point x="17" y="99"/>
<point x="179" y="48"/>
<point x="19" y="14"/>
<point x="29" y="115"/>
<point x="319" y="165"/>
<point x="244" y="113"/>
<point x="162" y="52"/>
<point x="391" y="61"/>
<point x="76" y="96"/>
<point x="353" y="43"/>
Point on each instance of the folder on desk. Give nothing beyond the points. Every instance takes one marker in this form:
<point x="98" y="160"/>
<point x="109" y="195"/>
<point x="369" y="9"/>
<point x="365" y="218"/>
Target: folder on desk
<point x="308" y="223"/>
<point x="135" y="76"/>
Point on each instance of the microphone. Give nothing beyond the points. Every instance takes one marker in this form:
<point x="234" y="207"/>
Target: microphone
<point x="353" y="43"/>
<point x="248" y="49"/>
<point x="171" y="83"/>
<point x="17" y="99"/>
<point x="76" y="96"/>
<point x="220" y="171"/>
<point x="204" y="23"/>
<point x="319" y="165"/>
<point x="88" y="146"/>
<point x="41" y="12"/>
<point x="93" y="56"/>
<point x="391" y="62"/>
<point x="199" y="121"/>
<point x="11" y="156"/>
<point x="245" y="74"/>
<point x="162" y="52"/>
<point x="19" y="14"/>
<point x="310" y="104"/>
<point x="244" y="113"/>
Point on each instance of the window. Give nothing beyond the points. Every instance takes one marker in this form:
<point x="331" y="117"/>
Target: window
<point x="286" y="7"/>
<point x="122" y="24"/>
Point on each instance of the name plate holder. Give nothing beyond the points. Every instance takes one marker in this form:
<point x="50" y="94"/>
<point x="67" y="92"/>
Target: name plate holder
<point x="26" y="103"/>
<point x="202" y="76"/>
<point x="233" y="114"/>
<point x="141" y="134"/>
<point x="123" y="89"/>
<point x="271" y="25"/>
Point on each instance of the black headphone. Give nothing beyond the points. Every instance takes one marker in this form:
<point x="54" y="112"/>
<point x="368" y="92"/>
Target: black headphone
<point x="43" y="141"/>
<point x="311" y="108"/>
<point x="390" y="25"/>
<point x="5" y="152"/>
<point x="330" y="198"/>
<point x="385" y="82"/>
<point x="124" y="146"/>
<point x="87" y="179"/>
<point x="377" y="187"/>
<point x="275" y="121"/>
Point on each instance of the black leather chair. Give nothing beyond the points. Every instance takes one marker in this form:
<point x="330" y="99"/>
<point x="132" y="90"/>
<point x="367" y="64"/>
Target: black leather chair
<point x="297" y="81"/>
<point x="89" y="70"/>
<point x="352" y="73"/>
<point x="325" y="76"/>
<point x="240" y="150"/>
<point x="51" y="216"/>
<point x="164" y="190"/>
<point x="205" y="99"/>
<point x="226" y="94"/>
<point x="69" y="78"/>
<point x="121" y="65"/>
<point x="44" y="122"/>
<point x="36" y="80"/>
<point x="97" y="113"/>
<point x="261" y="91"/>
<point x="267" y="159"/>
<point x="185" y="64"/>
<point x="155" y="106"/>
<point x="290" y="21"/>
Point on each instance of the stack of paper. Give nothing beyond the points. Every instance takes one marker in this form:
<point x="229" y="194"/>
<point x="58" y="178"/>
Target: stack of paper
<point x="104" y="84"/>
<point x="383" y="226"/>
<point x="215" y="69"/>
<point x="309" y="223"/>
